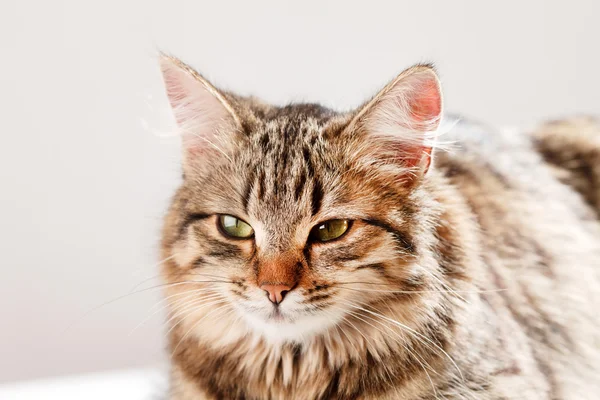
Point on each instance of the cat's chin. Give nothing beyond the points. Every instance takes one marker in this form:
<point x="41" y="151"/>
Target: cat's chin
<point x="279" y="327"/>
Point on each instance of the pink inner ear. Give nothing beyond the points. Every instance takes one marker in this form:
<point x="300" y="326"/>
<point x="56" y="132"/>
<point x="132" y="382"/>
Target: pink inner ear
<point x="413" y="156"/>
<point x="424" y="111"/>
<point x="403" y="118"/>
<point x="426" y="104"/>
<point x="200" y="111"/>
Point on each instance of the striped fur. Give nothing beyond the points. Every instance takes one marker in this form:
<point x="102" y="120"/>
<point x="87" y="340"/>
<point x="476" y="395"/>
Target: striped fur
<point x="477" y="280"/>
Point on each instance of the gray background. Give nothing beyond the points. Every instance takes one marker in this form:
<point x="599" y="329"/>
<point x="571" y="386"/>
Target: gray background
<point x="87" y="163"/>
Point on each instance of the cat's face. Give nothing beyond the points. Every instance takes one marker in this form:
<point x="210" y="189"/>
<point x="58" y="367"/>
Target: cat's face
<point x="290" y="219"/>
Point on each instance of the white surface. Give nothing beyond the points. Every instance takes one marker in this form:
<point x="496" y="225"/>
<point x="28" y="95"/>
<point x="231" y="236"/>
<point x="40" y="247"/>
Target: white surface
<point x="83" y="184"/>
<point x="143" y="384"/>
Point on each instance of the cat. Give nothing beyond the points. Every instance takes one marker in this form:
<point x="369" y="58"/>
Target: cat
<point x="313" y="254"/>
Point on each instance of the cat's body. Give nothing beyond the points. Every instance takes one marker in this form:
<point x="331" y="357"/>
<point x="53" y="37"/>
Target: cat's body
<point x="477" y="279"/>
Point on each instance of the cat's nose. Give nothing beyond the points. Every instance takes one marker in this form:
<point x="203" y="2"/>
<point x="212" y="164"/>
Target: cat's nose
<point x="276" y="293"/>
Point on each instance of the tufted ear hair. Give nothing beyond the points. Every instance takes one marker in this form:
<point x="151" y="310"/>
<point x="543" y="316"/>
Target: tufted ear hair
<point x="206" y="119"/>
<point x="404" y="116"/>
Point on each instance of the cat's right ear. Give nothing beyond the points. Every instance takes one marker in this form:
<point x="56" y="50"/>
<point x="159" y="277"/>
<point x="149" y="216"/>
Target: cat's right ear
<point x="206" y="119"/>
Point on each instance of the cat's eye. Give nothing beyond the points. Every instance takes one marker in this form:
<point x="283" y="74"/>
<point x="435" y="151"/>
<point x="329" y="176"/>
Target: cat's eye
<point x="330" y="230"/>
<point x="234" y="227"/>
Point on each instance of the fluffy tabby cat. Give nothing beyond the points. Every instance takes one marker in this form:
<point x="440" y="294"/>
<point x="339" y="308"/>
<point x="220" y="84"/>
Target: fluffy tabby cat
<point x="311" y="254"/>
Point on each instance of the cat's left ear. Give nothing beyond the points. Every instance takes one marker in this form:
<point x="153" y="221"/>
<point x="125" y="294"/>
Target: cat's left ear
<point x="402" y="119"/>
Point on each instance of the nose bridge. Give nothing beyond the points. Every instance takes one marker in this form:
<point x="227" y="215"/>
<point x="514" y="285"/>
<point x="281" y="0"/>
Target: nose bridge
<point x="279" y="256"/>
<point x="280" y="217"/>
<point x="280" y="269"/>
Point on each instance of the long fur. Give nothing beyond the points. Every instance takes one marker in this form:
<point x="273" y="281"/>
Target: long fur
<point x="474" y="278"/>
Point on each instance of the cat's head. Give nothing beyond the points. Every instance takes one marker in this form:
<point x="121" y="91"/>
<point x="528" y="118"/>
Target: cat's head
<point x="290" y="218"/>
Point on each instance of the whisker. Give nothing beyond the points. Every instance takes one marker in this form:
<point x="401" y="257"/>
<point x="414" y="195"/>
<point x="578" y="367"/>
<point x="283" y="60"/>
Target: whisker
<point x="423" y="291"/>
<point x="177" y="303"/>
<point x="358" y="330"/>
<point x="198" y="290"/>
<point x="391" y="383"/>
<point x="416" y="355"/>
<point x="365" y="283"/>
<point x="194" y="305"/>
<point x="401" y="343"/>
<point x="147" y="318"/>
<point x="340" y="329"/>
<point x="142" y="282"/>
<point x="433" y="276"/>
<point x="209" y="275"/>
<point x="70" y="326"/>
<point x="194" y="327"/>
<point x="156" y="265"/>
<point x="233" y="323"/>
<point x="409" y="329"/>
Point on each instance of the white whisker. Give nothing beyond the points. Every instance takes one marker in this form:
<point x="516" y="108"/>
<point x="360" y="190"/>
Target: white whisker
<point x="193" y="306"/>
<point x="422" y="291"/>
<point x="194" y="327"/>
<point x="165" y="285"/>
<point x="401" y="343"/>
<point x="409" y="329"/>
<point x="152" y="267"/>
<point x="189" y="294"/>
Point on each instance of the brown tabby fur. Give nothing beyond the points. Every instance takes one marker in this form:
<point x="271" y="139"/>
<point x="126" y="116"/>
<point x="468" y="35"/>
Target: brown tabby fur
<point x="479" y="280"/>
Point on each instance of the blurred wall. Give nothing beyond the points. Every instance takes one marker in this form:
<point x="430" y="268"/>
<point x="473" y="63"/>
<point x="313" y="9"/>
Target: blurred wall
<point x="87" y="164"/>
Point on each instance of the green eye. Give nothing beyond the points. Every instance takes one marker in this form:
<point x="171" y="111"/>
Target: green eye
<point x="330" y="230"/>
<point x="235" y="227"/>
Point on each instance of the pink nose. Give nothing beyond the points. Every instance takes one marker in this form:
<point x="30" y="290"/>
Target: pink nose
<point x="276" y="293"/>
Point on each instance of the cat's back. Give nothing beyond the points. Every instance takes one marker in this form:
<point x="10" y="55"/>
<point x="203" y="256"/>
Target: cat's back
<point x="556" y="165"/>
<point x="540" y="244"/>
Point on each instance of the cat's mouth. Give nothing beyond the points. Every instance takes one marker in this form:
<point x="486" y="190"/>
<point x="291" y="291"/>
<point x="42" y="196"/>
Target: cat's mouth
<point x="277" y="316"/>
<point x="287" y="322"/>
